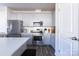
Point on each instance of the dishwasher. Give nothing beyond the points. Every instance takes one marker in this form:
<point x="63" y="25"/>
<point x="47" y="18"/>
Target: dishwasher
<point x="37" y="40"/>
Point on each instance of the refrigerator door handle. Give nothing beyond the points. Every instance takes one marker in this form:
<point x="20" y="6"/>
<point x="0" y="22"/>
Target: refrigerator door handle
<point x="10" y="28"/>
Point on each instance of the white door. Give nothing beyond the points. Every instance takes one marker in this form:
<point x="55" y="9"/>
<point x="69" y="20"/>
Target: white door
<point x="64" y="28"/>
<point x="75" y="18"/>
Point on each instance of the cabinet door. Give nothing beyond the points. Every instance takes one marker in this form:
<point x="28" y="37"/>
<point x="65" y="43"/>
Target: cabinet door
<point x="52" y="40"/>
<point x="46" y="39"/>
<point x="13" y="16"/>
<point x="19" y="16"/>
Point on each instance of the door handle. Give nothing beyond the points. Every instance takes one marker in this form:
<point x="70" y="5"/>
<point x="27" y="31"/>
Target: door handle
<point x="74" y="38"/>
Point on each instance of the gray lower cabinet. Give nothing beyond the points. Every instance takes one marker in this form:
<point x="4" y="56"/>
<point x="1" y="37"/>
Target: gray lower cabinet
<point x="52" y="40"/>
<point x="49" y="39"/>
<point x="46" y="39"/>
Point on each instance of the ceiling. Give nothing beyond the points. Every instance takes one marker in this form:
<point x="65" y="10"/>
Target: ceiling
<point x="30" y="6"/>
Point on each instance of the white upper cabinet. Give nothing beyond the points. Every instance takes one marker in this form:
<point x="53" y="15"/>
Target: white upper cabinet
<point x="19" y="16"/>
<point x="12" y="16"/>
<point x="15" y="16"/>
<point x="28" y="18"/>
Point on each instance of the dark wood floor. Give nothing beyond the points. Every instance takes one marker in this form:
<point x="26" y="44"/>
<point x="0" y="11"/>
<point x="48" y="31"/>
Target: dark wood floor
<point x="42" y="50"/>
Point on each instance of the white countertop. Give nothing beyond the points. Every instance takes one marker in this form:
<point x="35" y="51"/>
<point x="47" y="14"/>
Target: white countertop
<point x="31" y="34"/>
<point x="9" y="45"/>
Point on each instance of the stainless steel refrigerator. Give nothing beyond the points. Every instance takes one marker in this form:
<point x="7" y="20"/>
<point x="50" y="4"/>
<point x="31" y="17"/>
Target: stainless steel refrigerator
<point x="15" y="27"/>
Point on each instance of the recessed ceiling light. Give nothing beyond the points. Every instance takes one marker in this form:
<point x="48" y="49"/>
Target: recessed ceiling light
<point x="38" y="10"/>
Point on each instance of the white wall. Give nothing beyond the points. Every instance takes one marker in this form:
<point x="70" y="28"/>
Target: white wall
<point x="3" y="19"/>
<point x="9" y="13"/>
<point x="28" y="18"/>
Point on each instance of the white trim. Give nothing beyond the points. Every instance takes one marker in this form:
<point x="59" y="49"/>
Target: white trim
<point x="30" y="12"/>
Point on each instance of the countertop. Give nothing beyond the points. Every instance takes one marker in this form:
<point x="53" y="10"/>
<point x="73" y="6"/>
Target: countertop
<point x="31" y="34"/>
<point x="9" y="45"/>
<point x="34" y="34"/>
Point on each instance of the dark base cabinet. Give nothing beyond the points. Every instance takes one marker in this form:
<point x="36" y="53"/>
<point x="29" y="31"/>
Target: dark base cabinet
<point x="14" y="35"/>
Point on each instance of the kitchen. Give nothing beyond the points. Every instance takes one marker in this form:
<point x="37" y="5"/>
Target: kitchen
<point x="36" y="22"/>
<point x="39" y="29"/>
